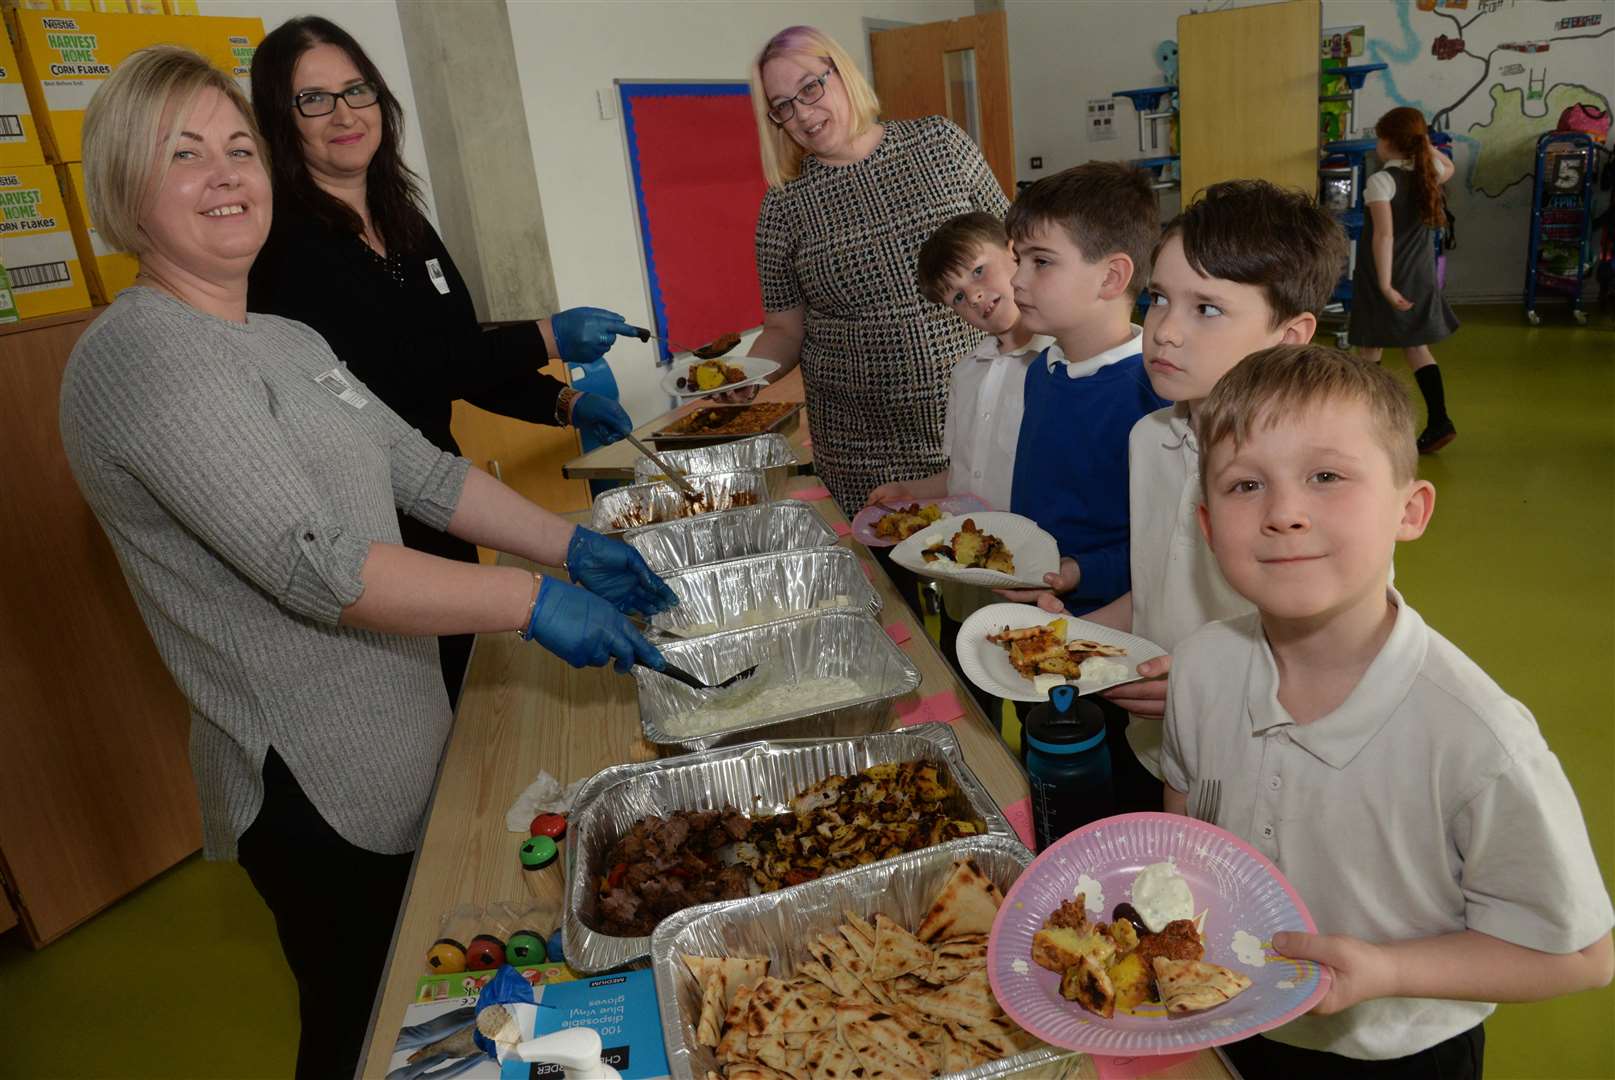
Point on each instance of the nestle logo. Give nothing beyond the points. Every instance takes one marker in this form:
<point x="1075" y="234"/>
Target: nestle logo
<point x="59" y="24"/>
<point x="9" y="181"/>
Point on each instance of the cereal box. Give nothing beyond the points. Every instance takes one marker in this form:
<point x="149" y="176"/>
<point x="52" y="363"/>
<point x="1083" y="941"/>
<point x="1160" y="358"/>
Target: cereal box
<point x="36" y="244"/>
<point x="107" y="272"/>
<point x="148" y="7"/>
<point x="181" y="7"/>
<point x="19" y="142"/>
<point x="66" y="56"/>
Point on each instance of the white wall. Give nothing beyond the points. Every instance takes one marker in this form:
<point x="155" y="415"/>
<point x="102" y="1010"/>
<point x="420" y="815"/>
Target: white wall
<point x="578" y="48"/>
<point x="1056" y="70"/>
<point x="374" y="25"/>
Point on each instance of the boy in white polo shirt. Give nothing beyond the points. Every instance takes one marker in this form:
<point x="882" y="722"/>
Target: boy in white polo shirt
<point x="1412" y="803"/>
<point x="966" y="265"/>
<point x="1246" y="266"/>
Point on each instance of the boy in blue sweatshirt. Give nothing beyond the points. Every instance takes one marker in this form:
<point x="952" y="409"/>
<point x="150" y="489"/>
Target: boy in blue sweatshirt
<point x="1083" y="238"/>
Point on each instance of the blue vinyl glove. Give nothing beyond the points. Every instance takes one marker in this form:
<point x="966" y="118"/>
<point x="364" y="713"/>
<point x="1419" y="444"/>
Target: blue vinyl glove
<point x="613" y="570"/>
<point x="585" y="631"/>
<point x="583" y="334"/>
<point x="601" y="417"/>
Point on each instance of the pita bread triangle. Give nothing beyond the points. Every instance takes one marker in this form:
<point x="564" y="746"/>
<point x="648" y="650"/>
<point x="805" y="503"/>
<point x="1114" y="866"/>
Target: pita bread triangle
<point x="1193" y="985"/>
<point x="967" y="904"/>
<point x="897" y="952"/>
<point x="707" y="1028"/>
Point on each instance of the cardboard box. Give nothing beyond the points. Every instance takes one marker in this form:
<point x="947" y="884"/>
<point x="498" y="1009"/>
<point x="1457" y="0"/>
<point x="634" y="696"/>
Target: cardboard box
<point x="19" y="142"/>
<point x="106" y="272"/>
<point x="181" y="7"/>
<point x="115" y="6"/>
<point x="228" y="42"/>
<point x="8" y="307"/>
<point x="36" y="244"/>
<point x="65" y="56"/>
<point x="148" y="7"/>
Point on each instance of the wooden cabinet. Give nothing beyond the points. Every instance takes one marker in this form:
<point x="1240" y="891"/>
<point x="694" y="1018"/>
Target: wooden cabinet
<point x="1248" y="81"/>
<point x="96" y="794"/>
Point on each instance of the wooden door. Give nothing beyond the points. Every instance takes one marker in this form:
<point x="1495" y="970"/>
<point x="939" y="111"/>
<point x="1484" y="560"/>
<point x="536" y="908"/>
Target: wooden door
<point x="96" y="794"/>
<point x="958" y="69"/>
<point x="1248" y="92"/>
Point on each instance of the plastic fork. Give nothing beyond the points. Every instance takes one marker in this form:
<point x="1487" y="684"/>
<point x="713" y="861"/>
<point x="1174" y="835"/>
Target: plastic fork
<point x="1209" y="801"/>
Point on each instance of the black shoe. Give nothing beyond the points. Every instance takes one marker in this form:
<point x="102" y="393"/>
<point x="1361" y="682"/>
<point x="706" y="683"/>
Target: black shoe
<point x="1436" y="436"/>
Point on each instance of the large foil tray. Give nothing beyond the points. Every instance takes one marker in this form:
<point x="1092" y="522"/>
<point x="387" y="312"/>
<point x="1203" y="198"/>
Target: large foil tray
<point x="648" y="504"/>
<point x="770" y="454"/>
<point x="734" y="534"/>
<point x="819" y="644"/>
<point x="747" y="592"/>
<point x="757" y="778"/>
<point x="778" y="925"/>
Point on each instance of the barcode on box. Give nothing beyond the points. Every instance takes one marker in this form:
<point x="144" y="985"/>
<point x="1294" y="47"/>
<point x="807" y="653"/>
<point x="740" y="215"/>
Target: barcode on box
<point x="10" y="126"/>
<point x="38" y="276"/>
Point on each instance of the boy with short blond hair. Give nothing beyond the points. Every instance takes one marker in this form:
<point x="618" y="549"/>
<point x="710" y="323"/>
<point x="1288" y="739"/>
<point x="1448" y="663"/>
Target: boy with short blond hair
<point x="1246" y="266"/>
<point x="966" y="265"/>
<point x="1412" y="804"/>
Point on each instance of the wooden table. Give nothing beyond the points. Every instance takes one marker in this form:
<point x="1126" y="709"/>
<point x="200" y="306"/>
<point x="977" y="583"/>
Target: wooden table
<point x="616" y="462"/>
<point x="523" y="710"/>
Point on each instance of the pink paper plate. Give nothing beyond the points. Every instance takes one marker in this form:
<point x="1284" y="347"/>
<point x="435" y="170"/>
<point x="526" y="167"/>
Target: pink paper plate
<point x="1240" y="891"/>
<point x="863" y="522"/>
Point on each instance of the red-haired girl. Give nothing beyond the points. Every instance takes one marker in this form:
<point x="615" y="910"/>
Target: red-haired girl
<point x="1396" y="301"/>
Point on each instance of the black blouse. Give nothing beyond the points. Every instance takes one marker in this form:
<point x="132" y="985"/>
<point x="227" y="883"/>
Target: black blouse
<point x="404" y="325"/>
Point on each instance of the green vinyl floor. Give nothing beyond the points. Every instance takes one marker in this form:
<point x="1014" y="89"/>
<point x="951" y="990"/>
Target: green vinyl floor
<point x="185" y="979"/>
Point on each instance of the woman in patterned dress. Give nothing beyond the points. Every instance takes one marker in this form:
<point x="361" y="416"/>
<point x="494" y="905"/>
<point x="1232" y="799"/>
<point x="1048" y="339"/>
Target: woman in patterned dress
<point x="849" y="202"/>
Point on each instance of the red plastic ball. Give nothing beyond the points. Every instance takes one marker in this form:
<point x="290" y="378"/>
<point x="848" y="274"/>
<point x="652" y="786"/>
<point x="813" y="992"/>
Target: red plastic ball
<point x="550" y="825"/>
<point x="485" y="954"/>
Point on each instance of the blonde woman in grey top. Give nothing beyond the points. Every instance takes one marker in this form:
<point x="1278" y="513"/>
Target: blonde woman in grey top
<point x="247" y="482"/>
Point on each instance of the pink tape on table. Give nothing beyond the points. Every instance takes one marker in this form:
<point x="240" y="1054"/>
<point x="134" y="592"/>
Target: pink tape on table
<point x="869" y="571"/>
<point x="812" y="494"/>
<point x="897" y="632"/>
<point x="1128" y="1068"/>
<point x="1019" y="816"/>
<point x="841" y="528"/>
<point x="940" y="708"/>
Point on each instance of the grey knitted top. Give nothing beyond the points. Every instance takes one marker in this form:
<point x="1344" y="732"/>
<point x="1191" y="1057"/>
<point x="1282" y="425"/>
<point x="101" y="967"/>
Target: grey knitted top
<point x="241" y="474"/>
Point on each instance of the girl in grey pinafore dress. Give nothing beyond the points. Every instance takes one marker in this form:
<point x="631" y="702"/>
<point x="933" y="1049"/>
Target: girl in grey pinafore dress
<point x="1405" y="308"/>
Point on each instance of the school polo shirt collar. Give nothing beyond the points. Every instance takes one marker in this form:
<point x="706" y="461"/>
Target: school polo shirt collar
<point x="1054" y="356"/>
<point x="1339" y="737"/>
<point x="989" y="350"/>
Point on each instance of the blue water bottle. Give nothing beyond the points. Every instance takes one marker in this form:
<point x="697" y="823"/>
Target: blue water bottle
<point x="1068" y="765"/>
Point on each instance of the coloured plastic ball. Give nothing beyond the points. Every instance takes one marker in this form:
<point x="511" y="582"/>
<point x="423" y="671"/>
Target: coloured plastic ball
<point x="446" y="957"/>
<point x="556" y="950"/>
<point x="486" y="953"/>
<point x="525" y="947"/>
<point x="550" y="825"/>
<point x="538" y="852"/>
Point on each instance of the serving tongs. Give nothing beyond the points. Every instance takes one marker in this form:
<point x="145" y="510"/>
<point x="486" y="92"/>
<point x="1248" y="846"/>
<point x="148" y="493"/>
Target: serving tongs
<point x="718" y="346"/>
<point x="730" y="687"/>
<point x="674" y="476"/>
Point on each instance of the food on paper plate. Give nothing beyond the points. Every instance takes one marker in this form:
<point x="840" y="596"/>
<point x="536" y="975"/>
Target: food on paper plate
<point x="970" y="548"/>
<point x="665" y="864"/>
<point x="711" y="375"/>
<point x="1161" y="896"/>
<point x="868" y="1000"/>
<point x="1037" y="651"/>
<point x="1133" y="960"/>
<point x="905" y="521"/>
<point x="1194" y="985"/>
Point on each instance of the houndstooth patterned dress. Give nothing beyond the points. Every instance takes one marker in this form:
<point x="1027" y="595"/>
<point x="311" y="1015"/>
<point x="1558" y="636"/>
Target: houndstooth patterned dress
<point x="842" y="241"/>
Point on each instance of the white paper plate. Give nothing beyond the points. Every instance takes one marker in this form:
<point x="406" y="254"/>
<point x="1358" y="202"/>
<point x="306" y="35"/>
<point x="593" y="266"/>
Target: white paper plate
<point x="757" y="370"/>
<point x="987" y="665"/>
<point x="1035" y="552"/>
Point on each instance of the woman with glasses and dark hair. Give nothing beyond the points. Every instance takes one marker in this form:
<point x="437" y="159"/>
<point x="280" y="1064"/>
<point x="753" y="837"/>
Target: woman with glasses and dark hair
<point x="352" y="255"/>
<point x="849" y="202"/>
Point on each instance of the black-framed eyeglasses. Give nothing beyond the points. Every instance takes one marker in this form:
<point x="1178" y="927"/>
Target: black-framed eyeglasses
<point x="323" y="102"/>
<point x="810" y="94"/>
